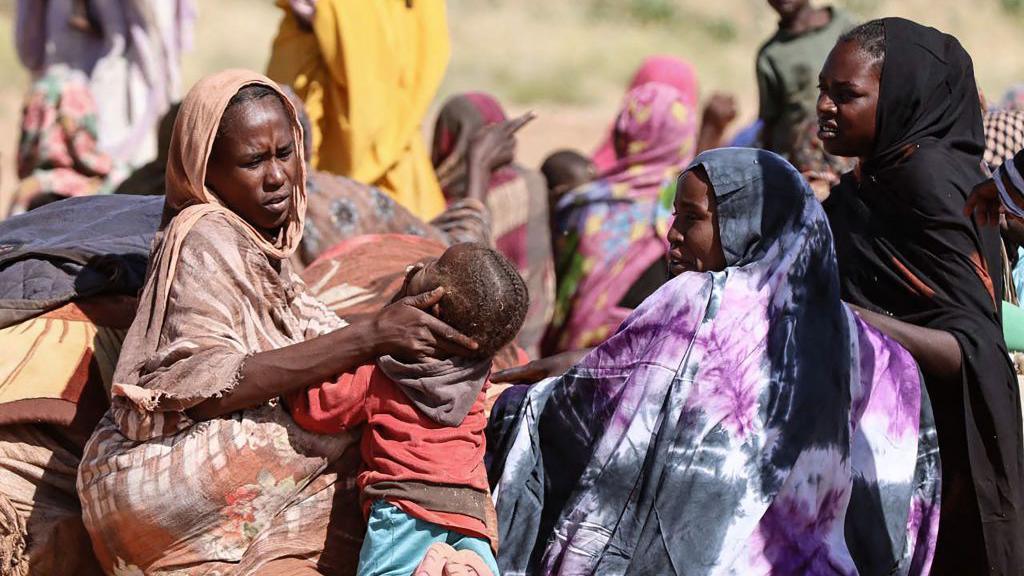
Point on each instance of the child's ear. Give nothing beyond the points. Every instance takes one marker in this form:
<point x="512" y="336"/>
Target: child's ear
<point x="410" y="271"/>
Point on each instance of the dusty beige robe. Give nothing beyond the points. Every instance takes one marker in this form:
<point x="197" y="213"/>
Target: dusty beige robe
<point x="234" y="495"/>
<point x="163" y="493"/>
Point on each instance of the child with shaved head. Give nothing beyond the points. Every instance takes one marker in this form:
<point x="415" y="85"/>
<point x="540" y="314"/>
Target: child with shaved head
<point x="423" y="479"/>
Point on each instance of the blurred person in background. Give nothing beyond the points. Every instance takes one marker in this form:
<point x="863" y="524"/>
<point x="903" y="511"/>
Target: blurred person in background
<point x="516" y="197"/>
<point x="367" y="72"/>
<point x="1013" y="98"/>
<point x="564" y="171"/>
<point x="719" y="112"/>
<point x="1004" y="136"/>
<point x="130" y="50"/>
<point x="787" y="69"/>
<point x="609" y="235"/>
<point x="58" y="154"/>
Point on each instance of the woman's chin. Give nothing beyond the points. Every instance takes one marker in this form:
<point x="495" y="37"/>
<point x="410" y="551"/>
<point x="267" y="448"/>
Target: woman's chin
<point x="837" y="147"/>
<point x="269" y="224"/>
<point x="677" y="268"/>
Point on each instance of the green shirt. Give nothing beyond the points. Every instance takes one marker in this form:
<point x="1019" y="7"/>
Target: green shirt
<point x="787" y="78"/>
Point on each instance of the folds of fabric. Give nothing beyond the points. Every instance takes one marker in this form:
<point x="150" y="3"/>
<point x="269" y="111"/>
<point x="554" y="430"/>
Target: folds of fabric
<point x="340" y="209"/>
<point x="58" y="152"/>
<point x="74" y="249"/>
<point x="905" y="247"/>
<point x="664" y="70"/>
<point x="60" y="365"/>
<point x="133" y="63"/>
<point x="609" y="232"/>
<point x="739" y="422"/>
<point x="368" y="71"/>
<point x="39" y="504"/>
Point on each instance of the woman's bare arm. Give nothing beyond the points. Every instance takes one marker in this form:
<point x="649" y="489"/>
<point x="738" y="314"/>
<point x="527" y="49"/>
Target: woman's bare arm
<point x="401" y="329"/>
<point x="936" y="351"/>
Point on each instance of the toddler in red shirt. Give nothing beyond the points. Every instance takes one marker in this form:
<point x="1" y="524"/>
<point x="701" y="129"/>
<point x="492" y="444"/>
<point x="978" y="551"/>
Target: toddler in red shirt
<point x="423" y="479"/>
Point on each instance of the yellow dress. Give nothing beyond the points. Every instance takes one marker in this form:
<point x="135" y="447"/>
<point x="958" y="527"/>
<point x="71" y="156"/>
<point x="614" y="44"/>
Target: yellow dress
<point x="367" y="73"/>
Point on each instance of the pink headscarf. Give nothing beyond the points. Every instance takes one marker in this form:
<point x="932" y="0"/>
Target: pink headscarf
<point x="665" y="70"/>
<point x="657" y="129"/>
<point x="609" y="232"/>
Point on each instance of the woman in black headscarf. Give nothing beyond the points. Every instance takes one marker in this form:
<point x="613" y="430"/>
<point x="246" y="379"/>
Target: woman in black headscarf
<point x="902" y="98"/>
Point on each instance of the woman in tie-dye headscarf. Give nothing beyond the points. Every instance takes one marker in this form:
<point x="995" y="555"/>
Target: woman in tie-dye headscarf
<point x="743" y="420"/>
<point x="609" y="236"/>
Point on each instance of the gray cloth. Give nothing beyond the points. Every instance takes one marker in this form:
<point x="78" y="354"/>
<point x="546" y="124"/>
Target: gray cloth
<point x="73" y="249"/>
<point x="443" y="390"/>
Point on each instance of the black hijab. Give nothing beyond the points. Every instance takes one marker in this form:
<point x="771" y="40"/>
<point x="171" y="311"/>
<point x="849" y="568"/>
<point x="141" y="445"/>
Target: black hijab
<point x="905" y="248"/>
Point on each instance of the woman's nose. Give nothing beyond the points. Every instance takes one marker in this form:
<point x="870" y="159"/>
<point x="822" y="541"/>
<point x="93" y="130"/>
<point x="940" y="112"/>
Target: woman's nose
<point x="674" y="236"/>
<point x="275" y="177"/>
<point x="825" y="107"/>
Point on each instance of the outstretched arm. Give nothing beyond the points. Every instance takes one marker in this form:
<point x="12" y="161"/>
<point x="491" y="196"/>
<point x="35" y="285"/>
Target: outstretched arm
<point x="402" y="329"/>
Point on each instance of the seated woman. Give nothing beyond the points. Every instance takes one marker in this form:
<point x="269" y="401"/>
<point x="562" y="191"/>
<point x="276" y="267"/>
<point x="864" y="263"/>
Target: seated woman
<point x="741" y="421"/>
<point x="902" y="98"/>
<point x="196" y="467"/>
<point x="609" y="235"/>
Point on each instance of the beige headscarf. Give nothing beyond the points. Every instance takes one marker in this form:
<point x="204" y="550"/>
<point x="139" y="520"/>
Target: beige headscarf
<point x="188" y="199"/>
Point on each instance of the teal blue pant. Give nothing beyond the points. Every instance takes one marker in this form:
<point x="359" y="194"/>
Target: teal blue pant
<point x="396" y="543"/>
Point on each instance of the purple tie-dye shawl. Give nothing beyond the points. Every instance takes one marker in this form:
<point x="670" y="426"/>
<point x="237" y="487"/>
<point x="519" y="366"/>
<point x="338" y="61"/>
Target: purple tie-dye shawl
<point x="739" y="422"/>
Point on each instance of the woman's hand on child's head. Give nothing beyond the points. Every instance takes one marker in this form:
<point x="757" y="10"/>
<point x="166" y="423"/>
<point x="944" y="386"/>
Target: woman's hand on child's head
<point x="406" y="331"/>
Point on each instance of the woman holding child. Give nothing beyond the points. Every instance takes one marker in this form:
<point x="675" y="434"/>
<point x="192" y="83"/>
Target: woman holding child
<point x="197" y="467"/>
